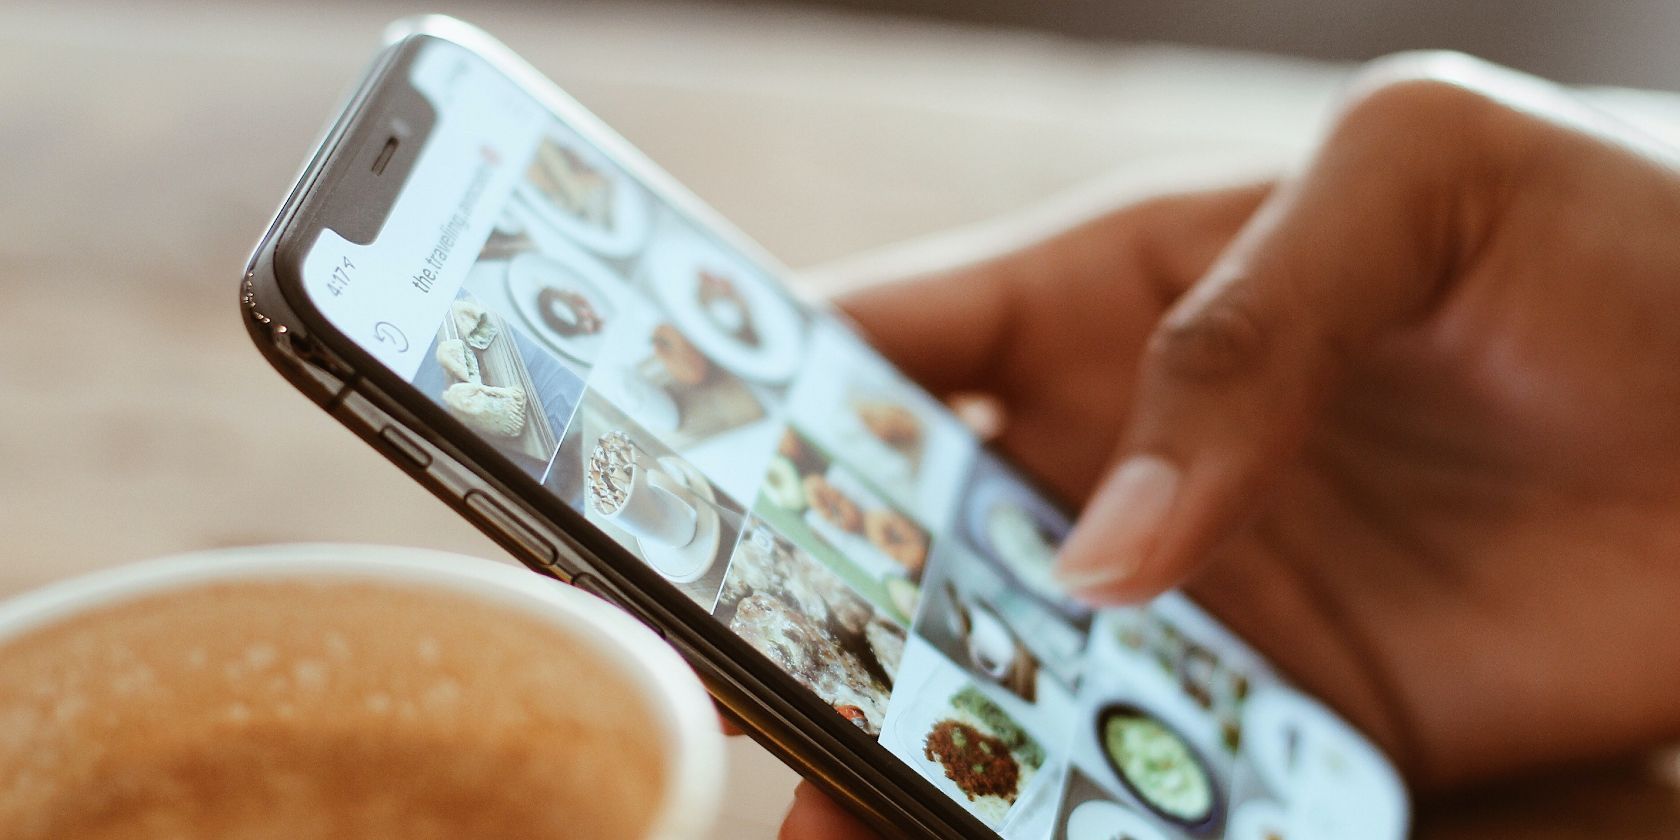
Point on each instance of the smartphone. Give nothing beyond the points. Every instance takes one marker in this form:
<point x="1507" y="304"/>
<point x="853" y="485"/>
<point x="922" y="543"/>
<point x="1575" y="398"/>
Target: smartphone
<point x="529" y="317"/>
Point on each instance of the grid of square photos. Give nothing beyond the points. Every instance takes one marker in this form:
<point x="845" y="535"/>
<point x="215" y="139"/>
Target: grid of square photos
<point x="773" y="467"/>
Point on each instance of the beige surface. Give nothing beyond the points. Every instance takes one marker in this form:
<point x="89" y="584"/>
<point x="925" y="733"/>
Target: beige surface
<point x="142" y="150"/>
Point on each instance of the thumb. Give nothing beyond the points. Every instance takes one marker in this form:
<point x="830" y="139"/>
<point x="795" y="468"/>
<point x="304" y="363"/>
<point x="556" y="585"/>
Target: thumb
<point x="1237" y="372"/>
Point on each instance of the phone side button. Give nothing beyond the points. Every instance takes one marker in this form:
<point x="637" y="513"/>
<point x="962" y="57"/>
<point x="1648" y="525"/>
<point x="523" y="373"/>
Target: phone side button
<point x="491" y="512"/>
<point x="399" y="442"/>
<point x="588" y="583"/>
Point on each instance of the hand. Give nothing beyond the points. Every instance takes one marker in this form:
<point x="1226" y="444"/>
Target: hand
<point x="1409" y="421"/>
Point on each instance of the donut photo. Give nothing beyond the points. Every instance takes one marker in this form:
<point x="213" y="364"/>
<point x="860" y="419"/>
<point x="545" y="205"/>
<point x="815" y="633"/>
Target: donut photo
<point x="564" y="297"/>
<point x="654" y="372"/>
<point x="842" y="519"/>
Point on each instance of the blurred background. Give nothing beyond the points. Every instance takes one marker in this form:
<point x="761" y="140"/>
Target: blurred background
<point x="144" y="145"/>
<point x="1625" y="42"/>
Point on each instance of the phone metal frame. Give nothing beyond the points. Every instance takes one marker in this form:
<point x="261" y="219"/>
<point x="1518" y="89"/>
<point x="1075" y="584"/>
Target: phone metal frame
<point x="541" y="531"/>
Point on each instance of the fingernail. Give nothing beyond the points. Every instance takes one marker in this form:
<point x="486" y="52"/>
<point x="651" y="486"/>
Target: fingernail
<point x="1119" y="525"/>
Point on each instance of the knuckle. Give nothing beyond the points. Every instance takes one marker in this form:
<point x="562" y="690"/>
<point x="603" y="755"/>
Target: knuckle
<point x="1223" y="339"/>
<point x="1405" y="104"/>
<point x="1434" y="119"/>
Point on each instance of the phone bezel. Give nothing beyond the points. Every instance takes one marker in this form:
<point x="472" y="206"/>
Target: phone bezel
<point x="845" y="761"/>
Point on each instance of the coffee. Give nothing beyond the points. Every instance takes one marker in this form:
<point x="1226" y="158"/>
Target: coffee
<point x="292" y="709"/>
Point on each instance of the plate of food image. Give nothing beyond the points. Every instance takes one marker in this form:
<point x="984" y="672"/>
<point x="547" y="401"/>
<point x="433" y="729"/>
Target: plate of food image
<point x="813" y="625"/>
<point x="576" y="192"/>
<point x="1160" y="768"/>
<point x="664" y="504"/>
<point x="882" y="433"/>
<point x="993" y="650"/>
<point x="1100" y="819"/>
<point x="568" y="304"/>
<point x="812" y="654"/>
<point x="977" y="753"/>
<point x="1336" y="781"/>
<point x="1019" y="534"/>
<point x="489" y="387"/>
<point x="729" y="308"/>
<point x="863" y="527"/>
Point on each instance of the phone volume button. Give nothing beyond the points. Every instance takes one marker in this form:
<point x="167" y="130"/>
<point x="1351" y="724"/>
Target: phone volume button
<point x="407" y="447"/>
<point x="492" y="513"/>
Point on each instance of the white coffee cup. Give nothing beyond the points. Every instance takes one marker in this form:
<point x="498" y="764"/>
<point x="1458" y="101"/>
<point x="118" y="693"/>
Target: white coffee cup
<point x="991" y="647"/>
<point x="656" y="506"/>
<point x="461" y="599"/>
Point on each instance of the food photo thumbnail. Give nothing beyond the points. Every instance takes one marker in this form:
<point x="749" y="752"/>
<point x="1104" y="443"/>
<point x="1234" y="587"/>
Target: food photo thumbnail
<point x="572" y="188"/>
<point x="500" y="384"/>
<point x="853" y="403"/>
<point x="1017" y="531"/>
<point x="1088" y="812"/>
<point x="841" y="519"/>
<point x="1149" y="744"/>
<point x="648" y="499"/>
<point x="976" y="745"/>
<point x="716" y="420"/>
<point x="730" y="309"/>
<point x="657" y="375"/>
<point x="1216" y="677"/>
<point x="989" y="627"/>
<point x="561" y="294"/>
<point x="1159" y="766"/>
<point x="811" y="624"/>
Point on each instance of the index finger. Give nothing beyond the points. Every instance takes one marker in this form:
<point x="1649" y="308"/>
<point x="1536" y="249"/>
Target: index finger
<point x="943" y="330"/>
<point x="957" y="328"/>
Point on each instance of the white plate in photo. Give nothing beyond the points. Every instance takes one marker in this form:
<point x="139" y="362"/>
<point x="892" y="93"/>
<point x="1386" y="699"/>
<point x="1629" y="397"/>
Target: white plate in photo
<point x="990" y="643"/>
<point x="511" y="222"/>
<point x="1017" y="532"/>
<point x="628" y="218"/>
<point x="1260" y="819"/>
<point x="530" y="278"/>
<point x="912" y="728"/>
<point x="1100" y="819"/>
<point x="857" y="547"/>
<point x="754" y="332"/>
<point x="890" y="465"/>
<point x="1274" y="738"/>
<point x="687" y="563"/>
<point x="1335" y="780"/>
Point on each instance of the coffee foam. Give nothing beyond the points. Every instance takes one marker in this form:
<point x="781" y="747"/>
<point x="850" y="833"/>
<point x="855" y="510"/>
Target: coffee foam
<point x="313" y="710"/>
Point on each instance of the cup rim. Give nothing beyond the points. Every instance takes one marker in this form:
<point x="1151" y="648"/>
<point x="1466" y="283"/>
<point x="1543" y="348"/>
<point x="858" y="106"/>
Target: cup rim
<point x="695" y="750"/>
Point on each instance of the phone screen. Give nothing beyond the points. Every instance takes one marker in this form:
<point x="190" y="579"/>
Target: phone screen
<point x="762" y="458"/>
